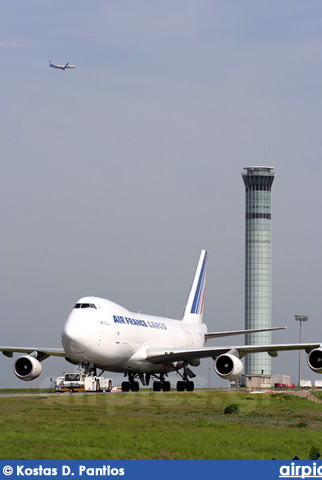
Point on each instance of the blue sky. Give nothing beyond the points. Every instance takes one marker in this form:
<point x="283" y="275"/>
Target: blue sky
<point x="116" y="174"/>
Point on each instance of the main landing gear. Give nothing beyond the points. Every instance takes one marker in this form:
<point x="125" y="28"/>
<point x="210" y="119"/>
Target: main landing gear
<point x="161" y="384"/>
<point x="133" y="385"/>
<point x="185" y="383"/>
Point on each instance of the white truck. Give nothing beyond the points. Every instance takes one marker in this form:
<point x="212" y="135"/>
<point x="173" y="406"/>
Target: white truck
<point x="81" y="382"/>
<point x="305" y="384"/>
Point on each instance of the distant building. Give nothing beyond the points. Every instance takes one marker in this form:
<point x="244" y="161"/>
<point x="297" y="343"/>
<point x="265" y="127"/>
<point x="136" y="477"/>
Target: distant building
<point x="281" y="380"/>
<point x="258" y="266"/>
<point x="254" y="381"/>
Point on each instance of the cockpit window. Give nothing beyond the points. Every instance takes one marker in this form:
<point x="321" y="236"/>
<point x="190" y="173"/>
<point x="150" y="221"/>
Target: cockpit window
<point x="84" y="305"/>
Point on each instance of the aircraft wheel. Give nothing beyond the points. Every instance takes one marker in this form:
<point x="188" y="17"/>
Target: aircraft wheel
<point x="156" y="386"/>
<point x="135" y="386"/>
<point x="125" y="386"/>
<point x="190" y="386"/>
<point x="180" y="386"/>
<point x="166" y="386"/>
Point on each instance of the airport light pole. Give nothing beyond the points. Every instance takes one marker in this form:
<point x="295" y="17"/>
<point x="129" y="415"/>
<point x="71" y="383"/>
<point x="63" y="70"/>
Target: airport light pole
<point x="300" y="318"/>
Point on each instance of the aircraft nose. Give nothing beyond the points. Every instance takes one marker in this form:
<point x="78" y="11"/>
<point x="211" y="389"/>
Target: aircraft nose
<point x="72" y="339"/>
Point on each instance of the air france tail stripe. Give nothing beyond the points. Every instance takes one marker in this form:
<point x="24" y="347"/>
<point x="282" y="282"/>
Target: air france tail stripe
<point x="201" y="296"/>
<point x="198" y="299"/>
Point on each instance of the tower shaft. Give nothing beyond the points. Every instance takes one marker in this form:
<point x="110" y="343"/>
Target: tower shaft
<point x="258" y="263"/>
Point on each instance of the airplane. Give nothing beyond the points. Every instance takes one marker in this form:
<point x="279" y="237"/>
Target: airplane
<point x="100" y="334"/>
<point x="61" y="67"/>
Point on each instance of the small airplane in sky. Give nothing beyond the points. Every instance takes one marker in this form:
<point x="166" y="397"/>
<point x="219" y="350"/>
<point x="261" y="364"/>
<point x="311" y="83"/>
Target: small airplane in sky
<point x="61" y="67"/>
<point x="101" y="334"/>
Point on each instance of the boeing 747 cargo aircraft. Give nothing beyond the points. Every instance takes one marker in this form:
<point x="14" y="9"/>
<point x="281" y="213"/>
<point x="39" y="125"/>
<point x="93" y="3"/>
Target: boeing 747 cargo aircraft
<point x="100" y="334"/>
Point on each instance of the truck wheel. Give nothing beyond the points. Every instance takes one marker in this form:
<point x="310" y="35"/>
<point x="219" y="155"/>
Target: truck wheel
<point x="98" y="385"/>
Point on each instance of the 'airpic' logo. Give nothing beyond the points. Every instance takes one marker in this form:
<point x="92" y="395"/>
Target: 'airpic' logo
<point x="301" y="471"/>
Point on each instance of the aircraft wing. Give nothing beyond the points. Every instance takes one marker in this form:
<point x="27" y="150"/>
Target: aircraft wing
<point x="240" y="332"/>
<point x="169" y="355"/>
<point x="41" y="352"/>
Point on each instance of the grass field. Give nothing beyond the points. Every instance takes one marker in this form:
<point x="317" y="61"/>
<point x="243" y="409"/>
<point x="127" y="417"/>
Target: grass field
<point x="150" y="425"/>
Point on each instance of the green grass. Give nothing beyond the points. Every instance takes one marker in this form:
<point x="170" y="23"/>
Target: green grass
<point x="317" y="394"/>
<point x="150" y="425"/>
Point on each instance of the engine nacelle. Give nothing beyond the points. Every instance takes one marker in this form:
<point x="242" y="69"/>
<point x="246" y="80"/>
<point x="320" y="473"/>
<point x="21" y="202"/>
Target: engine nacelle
<point x="27" y="368"/>
<point x="314" y="360"/>
<point x="228" y="366"/>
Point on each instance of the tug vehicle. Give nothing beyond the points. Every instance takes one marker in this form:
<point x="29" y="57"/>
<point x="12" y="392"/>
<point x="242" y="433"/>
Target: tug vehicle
<point x="81" y="382"/>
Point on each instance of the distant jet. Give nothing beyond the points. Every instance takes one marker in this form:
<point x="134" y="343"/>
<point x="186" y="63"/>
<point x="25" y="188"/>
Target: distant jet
<point x="61" y="67"/>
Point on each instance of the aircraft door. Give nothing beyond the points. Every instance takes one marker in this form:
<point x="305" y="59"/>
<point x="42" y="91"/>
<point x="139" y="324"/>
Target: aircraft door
<point x="117" y="331"/>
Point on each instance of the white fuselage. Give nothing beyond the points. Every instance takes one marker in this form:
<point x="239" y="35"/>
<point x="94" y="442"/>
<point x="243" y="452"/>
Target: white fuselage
<point x="104" y="334"/>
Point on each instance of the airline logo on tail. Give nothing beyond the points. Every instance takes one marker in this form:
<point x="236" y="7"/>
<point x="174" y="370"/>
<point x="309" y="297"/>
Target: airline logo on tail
<point x="197" y="305"/>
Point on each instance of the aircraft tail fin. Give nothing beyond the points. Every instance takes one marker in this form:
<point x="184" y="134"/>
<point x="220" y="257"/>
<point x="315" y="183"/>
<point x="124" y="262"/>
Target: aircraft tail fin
<point x="194" y="308"/>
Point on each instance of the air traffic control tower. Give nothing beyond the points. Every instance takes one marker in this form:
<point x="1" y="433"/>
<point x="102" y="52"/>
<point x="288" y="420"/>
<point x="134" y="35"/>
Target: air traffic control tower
<point x="258" y="264"/>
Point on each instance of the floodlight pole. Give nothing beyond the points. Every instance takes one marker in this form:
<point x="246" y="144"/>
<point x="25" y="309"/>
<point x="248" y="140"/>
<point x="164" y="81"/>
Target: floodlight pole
<point x="300" y="318"/>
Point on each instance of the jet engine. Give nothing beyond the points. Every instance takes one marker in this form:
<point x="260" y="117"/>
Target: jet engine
<point x="27" y="368"/>
<point x="314" y="360"/>
<point x="228" y="366"/>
